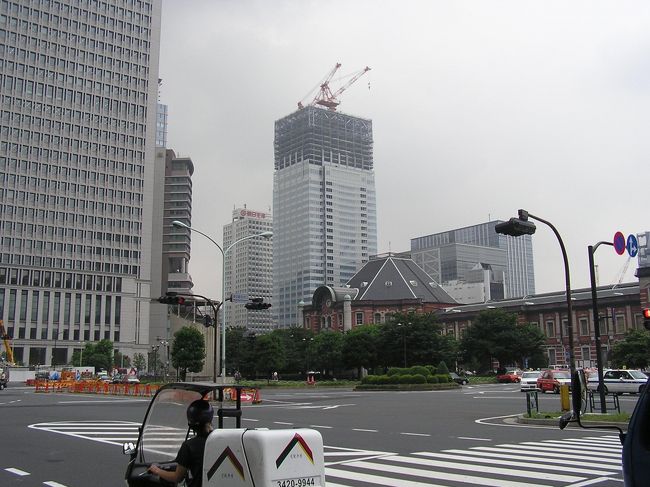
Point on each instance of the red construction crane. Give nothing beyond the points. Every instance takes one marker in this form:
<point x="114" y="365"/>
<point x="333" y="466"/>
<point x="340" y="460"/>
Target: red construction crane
<point x="325" y="97"/>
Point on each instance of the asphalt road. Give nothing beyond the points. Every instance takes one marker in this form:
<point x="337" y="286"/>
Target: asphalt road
<point x="406" y="439"/>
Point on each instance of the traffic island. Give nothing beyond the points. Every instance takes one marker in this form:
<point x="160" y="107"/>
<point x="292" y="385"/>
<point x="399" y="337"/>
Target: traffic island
<point x="591" y="420"/>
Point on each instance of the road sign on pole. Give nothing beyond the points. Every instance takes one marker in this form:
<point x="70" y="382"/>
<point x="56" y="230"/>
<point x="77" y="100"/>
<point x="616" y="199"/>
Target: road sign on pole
<point x="619" y="243"/>
<point x="240" y="297"/>
<point x="632" y="245"/>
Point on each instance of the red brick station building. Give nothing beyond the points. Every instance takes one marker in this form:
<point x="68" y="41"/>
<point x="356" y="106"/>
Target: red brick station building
<point x="390" y="284"/>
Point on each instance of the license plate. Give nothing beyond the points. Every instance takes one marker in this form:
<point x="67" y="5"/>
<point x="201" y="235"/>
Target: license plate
<point x="298" y="482"/>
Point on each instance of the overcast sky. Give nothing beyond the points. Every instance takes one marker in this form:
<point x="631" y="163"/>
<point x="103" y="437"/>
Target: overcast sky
<point x="478" y="109"/>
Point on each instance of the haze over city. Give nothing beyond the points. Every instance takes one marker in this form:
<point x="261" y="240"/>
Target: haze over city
<point x="478" y="109"/>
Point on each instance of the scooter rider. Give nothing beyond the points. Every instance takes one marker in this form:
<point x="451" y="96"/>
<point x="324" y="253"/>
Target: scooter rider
<point x="190" y="455"/>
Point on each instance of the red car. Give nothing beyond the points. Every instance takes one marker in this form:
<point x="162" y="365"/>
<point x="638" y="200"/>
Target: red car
<point x="510" y="376"/>
<point x="551" y="380"/>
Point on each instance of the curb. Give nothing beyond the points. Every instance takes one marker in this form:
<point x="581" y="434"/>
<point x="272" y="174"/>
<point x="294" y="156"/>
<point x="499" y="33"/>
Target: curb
<point x="556" y="422"/>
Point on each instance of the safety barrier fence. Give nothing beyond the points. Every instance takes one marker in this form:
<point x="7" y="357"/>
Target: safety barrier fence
<point x="95" y="387"/>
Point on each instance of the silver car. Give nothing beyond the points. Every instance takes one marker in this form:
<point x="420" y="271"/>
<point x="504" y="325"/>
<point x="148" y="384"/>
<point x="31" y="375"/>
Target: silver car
<point x="618" y="381"/>
<point x="529" y="380"/>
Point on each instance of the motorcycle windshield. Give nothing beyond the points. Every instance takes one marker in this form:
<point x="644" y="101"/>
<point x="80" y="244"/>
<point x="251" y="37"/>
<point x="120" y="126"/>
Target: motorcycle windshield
<point x="165" y="427"/>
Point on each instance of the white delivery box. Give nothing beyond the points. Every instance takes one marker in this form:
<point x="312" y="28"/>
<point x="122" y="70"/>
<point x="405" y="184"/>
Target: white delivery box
<point x="264" y="458"/>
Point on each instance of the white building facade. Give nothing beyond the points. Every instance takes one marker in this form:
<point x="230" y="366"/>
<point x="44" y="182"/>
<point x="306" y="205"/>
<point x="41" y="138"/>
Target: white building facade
<point x="79" y="84"/>
<point x="249" y="268"/>
<point x="324" y="204"/>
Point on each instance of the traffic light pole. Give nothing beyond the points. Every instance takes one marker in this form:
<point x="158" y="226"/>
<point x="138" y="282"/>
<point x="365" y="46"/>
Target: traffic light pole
<point x="516" y="227"/>
<point x="567" y="279"/>
<point x="594" y="300"/>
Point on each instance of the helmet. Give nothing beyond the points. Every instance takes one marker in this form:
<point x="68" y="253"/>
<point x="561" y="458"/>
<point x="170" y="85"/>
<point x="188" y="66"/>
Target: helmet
<point x="199" y="412"/>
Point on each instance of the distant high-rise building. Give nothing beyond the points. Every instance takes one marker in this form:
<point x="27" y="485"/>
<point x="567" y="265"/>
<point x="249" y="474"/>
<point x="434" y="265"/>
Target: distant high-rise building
<point x="161" y="125"/>
<point x="77" y="139"/>
<point x="453" y="255"/>
<point x="324" y="206"/>
<point x="178" y="206"/>
<point x="249" y="268"/>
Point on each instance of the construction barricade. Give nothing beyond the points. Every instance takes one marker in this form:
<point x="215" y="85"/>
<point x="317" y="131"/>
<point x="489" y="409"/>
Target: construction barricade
<point x="95" y="387"/>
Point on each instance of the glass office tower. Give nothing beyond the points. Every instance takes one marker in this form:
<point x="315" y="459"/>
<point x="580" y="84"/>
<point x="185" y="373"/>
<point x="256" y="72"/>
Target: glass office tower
<point x="79" y="82"/>
<point x="324" y="205"/>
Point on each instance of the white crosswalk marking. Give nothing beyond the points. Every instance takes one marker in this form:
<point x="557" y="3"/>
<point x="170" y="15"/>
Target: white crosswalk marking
<point x="569" y="462"/>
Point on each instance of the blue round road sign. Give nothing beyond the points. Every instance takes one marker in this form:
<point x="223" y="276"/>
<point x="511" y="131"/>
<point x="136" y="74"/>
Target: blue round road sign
<point x="619" y="243"/>
<point x="632" y="245"/>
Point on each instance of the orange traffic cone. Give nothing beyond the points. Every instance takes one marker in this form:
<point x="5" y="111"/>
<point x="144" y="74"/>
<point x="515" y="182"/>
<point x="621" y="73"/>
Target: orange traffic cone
<point x="257" y="398"/>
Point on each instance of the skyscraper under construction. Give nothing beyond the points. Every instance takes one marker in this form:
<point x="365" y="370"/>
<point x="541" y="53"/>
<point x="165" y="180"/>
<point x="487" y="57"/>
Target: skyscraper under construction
<point x="324" y="205"/>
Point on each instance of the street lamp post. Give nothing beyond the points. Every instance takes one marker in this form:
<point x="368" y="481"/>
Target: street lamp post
<point x="516" y="227"/>
<point x="594" y="300"/>
<point x="224" y="252"/>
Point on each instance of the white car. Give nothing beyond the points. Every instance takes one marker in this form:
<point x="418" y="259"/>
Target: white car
<point x="529" y="380"/>
<point x="618" y="381"/>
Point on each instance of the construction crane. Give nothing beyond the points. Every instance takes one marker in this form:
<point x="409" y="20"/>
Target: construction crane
<point x="325" y="97"/>
<point x="5" y="339"/>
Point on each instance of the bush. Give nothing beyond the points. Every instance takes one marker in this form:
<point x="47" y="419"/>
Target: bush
<point x="442" y="368"/>
<point x="406" y="379"/>
<point x="396" y="371"/>
<point x="442" y="378"/>
<point x="419" y="369"/>
<point x="431" y="369"/>
<point x="419" y="379"/>
<point x="432" y="379"/>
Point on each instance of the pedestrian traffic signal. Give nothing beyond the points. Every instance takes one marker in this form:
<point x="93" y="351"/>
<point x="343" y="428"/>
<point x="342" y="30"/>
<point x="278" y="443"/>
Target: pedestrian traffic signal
<point x="171" y="299"/>
<point x="646" y="318"/>
<point x="207" y="321"/>
<point x="257" y="303"/>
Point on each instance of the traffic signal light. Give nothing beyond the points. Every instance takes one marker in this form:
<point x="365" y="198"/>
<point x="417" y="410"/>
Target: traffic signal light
<point x="257" y="303"/>
<point x="646" y="318"/>
<point x="207" y="321"/>
<point x="515" y="227"/>
<point x="171" y="299"/>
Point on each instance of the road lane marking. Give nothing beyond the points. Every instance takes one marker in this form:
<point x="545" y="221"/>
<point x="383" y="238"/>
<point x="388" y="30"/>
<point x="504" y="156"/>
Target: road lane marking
<point x="249" y="419"/>
<point x="414" y="434"/>
<point x="52" y="483"/>
<point x="283" y="423"/>
<point x="471" y="438"/>
<point x="364" y="430"/>
<point x="320" y="426"/>
<point x="17" y="471"/>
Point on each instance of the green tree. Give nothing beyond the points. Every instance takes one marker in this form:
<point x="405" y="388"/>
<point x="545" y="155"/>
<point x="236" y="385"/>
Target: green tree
<point x="296" y="342"/>
<point x="415" y="339"/>
<point x="633" y="351"/>
<point x="188" y="351"/>
<point x="269" y="354"/>
<point x="237" y="349"/>
<point x="327" y="351"/>
<point x="139" y="362"/>
<point x="99" y="355"/>
<point x="495" y="334"/>
<point x="360" y="346"/>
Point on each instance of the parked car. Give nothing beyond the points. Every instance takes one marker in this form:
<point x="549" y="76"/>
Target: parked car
<point x="510" y="376"/>
<point x="551" y="380"/>
<point x="529" y="380"/>
<point x="619" y="381"/>
<point x="458" y="379"/>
